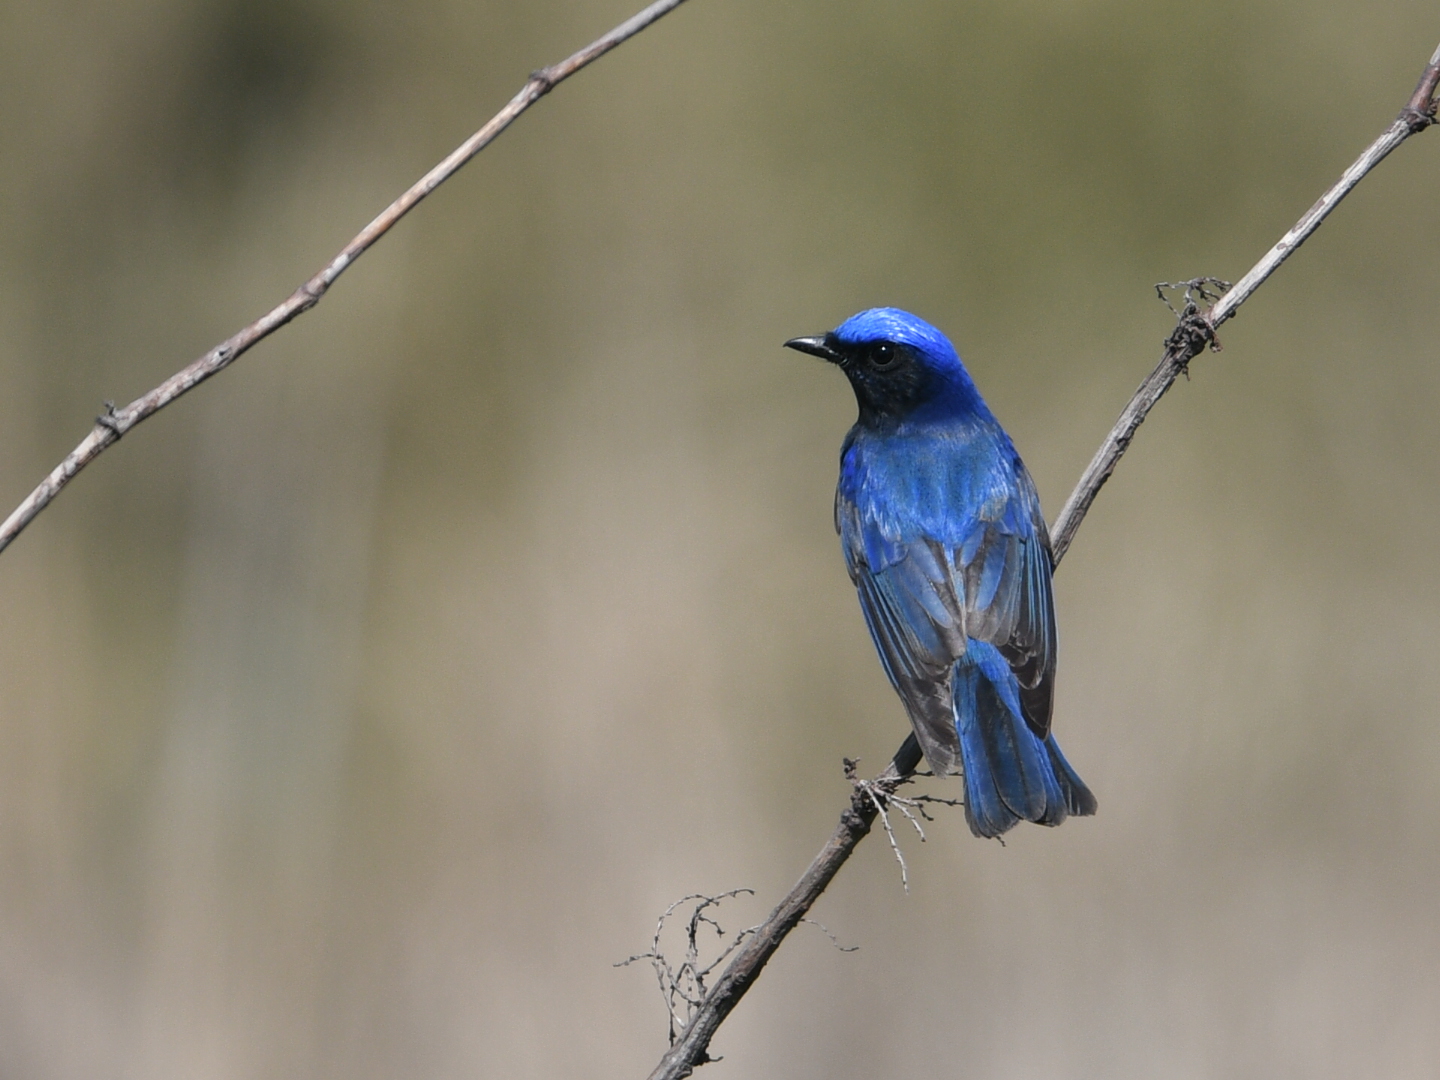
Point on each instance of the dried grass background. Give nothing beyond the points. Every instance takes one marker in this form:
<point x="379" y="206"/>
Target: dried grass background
<point x="363" y="709"/>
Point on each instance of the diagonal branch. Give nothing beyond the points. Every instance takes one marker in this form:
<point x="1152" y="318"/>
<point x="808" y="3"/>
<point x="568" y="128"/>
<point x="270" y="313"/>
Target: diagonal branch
<point x="113" y="422"/>
<point x="1194" y="331"/>
<point x="1199" y="327"/>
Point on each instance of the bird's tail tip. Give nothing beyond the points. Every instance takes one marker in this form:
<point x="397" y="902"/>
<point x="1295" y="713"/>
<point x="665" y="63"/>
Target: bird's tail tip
<point x="1011" y="774"/>
<point x="1079" y="799"/>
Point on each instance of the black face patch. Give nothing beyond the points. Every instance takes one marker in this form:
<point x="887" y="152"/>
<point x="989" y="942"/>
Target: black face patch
<point x="888" y="378"/>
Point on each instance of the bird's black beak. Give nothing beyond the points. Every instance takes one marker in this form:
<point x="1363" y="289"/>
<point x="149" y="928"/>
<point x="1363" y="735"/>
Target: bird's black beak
<point x="822" y="347"/>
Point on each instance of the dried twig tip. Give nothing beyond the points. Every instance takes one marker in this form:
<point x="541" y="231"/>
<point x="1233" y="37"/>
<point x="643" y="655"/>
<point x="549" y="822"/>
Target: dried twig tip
<point x="683" y="985"/>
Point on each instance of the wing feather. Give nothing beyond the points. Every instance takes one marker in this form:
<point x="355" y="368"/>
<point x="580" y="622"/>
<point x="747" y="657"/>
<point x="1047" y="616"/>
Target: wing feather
<point x="923" y="596"/>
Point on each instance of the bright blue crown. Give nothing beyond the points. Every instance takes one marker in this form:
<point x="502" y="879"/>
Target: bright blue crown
<point x="893" y="324"/>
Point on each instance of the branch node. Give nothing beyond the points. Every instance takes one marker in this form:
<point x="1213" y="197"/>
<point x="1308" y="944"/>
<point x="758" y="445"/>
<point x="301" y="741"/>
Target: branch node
<point x="1417" y="120"/>
<point x="1193" y="332"/>
<point x="109" y="419"/>
<point x="1419" y="111"/>
<point x="545" y="81"/>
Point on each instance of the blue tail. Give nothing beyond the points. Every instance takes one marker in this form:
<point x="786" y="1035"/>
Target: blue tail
<point x="1011" y="774"/>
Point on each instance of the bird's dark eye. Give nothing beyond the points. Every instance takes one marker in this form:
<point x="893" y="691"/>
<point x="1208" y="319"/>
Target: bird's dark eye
<point x="883" y="356"/>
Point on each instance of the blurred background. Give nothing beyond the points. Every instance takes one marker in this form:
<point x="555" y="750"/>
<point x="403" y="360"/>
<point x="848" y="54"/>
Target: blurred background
<point x="362" y="709"/>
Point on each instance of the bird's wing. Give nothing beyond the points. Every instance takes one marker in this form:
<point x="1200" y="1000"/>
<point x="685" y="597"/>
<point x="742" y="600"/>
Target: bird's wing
<point x="986" y="578"/>
<point x="1003" y="565"/>
<point x="915" y="621"/>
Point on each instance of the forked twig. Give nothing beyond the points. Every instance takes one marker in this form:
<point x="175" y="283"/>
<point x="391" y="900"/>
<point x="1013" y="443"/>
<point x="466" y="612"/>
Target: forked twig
<point x="882" y="794"/>
<point x="684" y="985"/>
<point x="1192" y="334"/>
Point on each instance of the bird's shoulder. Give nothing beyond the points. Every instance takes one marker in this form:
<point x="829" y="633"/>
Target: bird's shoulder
<point x="928" y="486"/>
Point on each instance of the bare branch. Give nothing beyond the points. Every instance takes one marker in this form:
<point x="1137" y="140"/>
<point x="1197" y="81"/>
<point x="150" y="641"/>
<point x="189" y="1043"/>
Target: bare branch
<point x="1194" y="331"/>
<point x="1198" y="329"/>
<point x="113" y="422"/>
<point x="692" y="1047"/>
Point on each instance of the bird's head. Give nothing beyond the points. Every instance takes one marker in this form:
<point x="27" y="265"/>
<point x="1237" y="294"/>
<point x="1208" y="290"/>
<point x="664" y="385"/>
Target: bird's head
<point x="900" y="367"/>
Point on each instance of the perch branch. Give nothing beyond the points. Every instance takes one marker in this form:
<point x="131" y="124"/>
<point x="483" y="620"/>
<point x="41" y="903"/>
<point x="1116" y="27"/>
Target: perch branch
<point x="115" y="422"/>
<point x="1195" y="330"/>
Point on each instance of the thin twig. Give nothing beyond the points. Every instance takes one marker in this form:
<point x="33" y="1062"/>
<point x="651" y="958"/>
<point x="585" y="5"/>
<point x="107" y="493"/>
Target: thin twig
<point x="882" y="795"/>
<point x="879" y="798"/>
<point x="833" y="939"/>
<point x="1195" y="330"/>
<point x="113" y="422"/>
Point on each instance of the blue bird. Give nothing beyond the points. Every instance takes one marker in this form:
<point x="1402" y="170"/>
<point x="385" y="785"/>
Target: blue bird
<point x="945" y="542"/>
